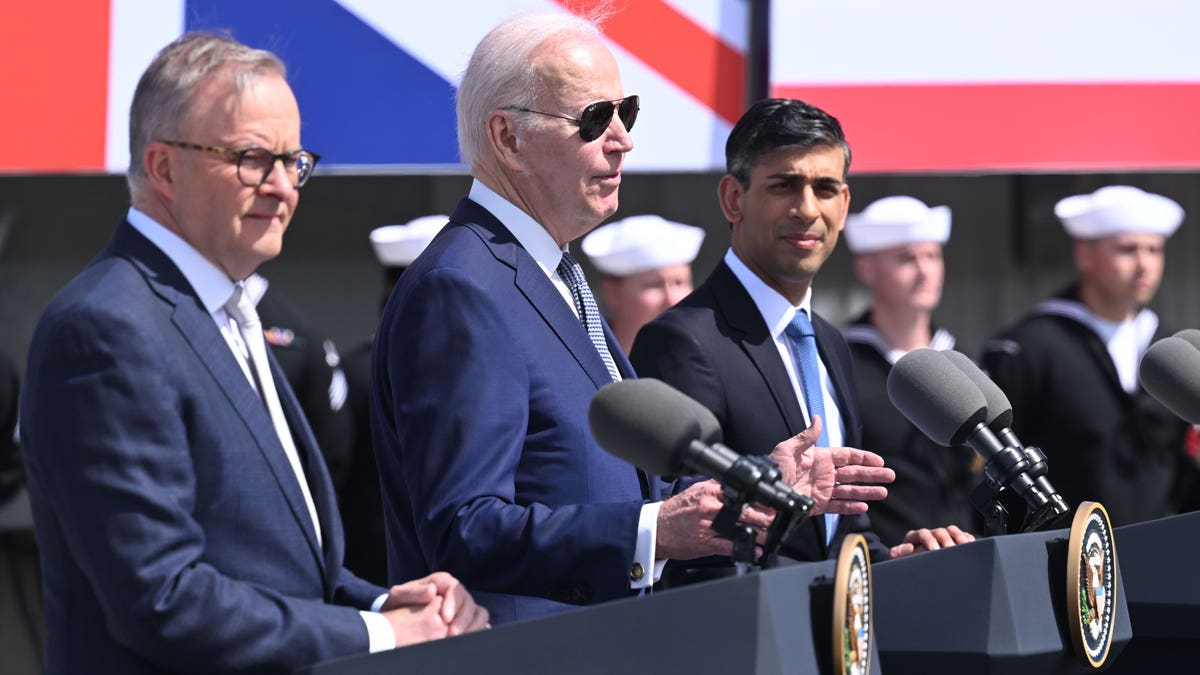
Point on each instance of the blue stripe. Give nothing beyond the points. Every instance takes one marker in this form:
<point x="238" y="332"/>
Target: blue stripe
<point x="363" y="100"/>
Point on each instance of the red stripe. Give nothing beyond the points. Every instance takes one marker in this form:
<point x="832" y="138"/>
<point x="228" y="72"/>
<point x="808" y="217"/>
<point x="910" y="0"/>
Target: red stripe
<point x="1014" y="127"/>
<point x="697" y="61"/>
<point x="55" y="84"/>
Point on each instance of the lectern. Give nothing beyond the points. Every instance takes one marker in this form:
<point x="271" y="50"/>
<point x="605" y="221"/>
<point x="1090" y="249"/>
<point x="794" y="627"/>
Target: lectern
<point x="996" y="606"/>
<point x="765" y="623"/>
<point x="1159" y="561"/>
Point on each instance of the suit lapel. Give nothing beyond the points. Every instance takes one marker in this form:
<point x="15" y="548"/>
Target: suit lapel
<point x="740" y="312"/>
<point x="197" y="328"/>
<point x="533" y="283"/>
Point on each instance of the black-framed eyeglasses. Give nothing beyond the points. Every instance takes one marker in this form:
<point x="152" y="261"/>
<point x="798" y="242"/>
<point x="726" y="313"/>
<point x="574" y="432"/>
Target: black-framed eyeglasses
<point x="595" y="118"/>
<point x="254" y="165"/>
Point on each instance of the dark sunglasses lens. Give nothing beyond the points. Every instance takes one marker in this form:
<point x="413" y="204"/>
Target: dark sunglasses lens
<point x="628" y="111"/>
<point x="594" y="120"/>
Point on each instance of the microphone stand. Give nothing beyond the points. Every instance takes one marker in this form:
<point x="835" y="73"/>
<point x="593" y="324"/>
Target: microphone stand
<point x="1015" y="468"/>
<point x="750" y="471"/>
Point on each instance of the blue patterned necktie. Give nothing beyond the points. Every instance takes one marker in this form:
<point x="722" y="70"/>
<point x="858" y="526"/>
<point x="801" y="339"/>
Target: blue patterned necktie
<point x="804" y="348"/>
<point x="589" y="313"/>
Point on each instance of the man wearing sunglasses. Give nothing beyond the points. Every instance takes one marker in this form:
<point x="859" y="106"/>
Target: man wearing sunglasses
<point x="491" y="349"/>
<point x="184" y="515"/>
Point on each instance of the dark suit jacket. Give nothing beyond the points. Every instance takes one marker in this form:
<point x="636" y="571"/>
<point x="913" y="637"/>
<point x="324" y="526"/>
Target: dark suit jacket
<point x="172" y="532"/>
<point x="480" y="385"/>
<point x="715" y="347"/>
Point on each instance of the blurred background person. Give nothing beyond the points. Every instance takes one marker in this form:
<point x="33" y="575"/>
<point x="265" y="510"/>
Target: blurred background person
<point x="395" y="246"/>
<point x="897" y="246"/>
<point x="646" y="263"/>
<point x="1070" y="367"/>
<point x="311" y="364"/>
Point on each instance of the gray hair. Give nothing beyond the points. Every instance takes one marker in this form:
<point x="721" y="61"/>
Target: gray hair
<point x="502" y="72"/>
<point x="166" y="90"/>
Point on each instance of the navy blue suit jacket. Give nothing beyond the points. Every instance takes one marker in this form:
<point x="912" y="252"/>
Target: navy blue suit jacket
<point x="172" y="531"/>
<point x="480" y="385"/>
<point x="715" y="347"/>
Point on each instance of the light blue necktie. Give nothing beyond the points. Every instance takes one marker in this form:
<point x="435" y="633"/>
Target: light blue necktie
<point x="804" y="349"/>
<point x="589" y="313"/>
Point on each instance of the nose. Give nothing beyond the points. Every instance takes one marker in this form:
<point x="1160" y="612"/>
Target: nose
<point x="617" y="138"/>
<point x="806" y="207"/>
<point x="279" y="181"/>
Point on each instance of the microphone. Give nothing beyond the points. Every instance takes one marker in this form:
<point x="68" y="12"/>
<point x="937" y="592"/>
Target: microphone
<point x="999" y="420"/>
<point x="941" y="401"/>
<point x="1170" y="372"/>
<point x="650" y="424"/>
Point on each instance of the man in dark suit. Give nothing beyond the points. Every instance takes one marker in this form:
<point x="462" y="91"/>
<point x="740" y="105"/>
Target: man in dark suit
<point x="734" y="343"/>
<point x="491" y="349"/>
<point x="185" y="519"/>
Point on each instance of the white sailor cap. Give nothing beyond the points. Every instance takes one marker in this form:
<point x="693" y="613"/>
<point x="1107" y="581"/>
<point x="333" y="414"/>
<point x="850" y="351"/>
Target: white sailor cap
<point x="641" y="243"/>
<point x="1116" y="209"/>
<point x="399" y="245"/>
<point x="895" y="221"/>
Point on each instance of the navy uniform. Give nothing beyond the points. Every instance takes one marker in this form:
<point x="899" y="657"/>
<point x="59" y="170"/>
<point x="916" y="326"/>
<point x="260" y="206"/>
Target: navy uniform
<point x="1071" y="376"/>
<point x="396" y="246"/>
<point x="933" y="483"/>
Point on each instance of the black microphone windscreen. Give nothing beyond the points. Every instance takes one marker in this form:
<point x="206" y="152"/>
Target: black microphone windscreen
<point x="936" y="396"/>
<point x="649" y="423"/>
<point x="999" y="409"/>
<point x="1170" y="371"/>
<point x="1191" y="335"/>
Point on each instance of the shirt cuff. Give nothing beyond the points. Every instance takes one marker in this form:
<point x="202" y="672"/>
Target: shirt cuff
<point x="643" y="553"/>
<point x="379" y="630"/>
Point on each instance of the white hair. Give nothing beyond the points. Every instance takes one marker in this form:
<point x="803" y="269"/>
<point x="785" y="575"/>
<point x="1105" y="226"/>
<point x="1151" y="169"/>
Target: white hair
<point x="502" y="72"/>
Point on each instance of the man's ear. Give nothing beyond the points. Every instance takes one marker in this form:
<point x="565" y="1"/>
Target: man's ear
<point x="731" y="196"/>
<point x="160" y="164"/>
<point x="502" y="137"/>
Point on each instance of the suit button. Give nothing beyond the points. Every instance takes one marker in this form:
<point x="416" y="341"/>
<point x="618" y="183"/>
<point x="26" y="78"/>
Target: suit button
<point x="637" y="572"/>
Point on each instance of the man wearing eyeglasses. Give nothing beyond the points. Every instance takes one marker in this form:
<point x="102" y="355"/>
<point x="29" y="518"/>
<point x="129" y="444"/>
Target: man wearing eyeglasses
<point x="491" y="349"/>
<point x="185" y="518"/>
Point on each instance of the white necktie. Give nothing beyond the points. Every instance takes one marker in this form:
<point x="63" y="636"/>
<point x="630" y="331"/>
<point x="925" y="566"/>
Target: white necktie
<point x="242" y="310"/>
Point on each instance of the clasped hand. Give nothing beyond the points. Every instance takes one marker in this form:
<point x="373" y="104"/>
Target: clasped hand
<point x="432" y="607"/>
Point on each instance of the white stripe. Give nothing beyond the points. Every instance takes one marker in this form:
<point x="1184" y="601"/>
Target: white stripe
<point x="943" y="41"/>
<point x="727" y="19"/>
<point x="138" y="29"/>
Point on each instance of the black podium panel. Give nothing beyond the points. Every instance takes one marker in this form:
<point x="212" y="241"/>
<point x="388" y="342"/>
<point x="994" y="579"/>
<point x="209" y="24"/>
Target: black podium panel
<point x="997" y="606"/>
<point x="766" y="623"/>
<point x="1158" y="561"/>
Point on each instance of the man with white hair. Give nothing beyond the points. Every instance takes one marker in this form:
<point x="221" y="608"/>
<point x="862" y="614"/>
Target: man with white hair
<point x="897" y="245"/>
<point x="1070" y="367"/>
<point x="491" y="349"/>
<point x="647" y="266"/>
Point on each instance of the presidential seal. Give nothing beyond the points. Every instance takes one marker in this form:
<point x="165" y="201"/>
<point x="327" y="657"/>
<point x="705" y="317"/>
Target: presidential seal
<point x="852" y="633"/>
<point x="1091" y="583"/>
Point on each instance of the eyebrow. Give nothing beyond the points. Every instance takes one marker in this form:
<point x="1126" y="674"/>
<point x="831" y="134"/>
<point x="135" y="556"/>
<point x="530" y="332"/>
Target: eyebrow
<point x="789" y="176"/>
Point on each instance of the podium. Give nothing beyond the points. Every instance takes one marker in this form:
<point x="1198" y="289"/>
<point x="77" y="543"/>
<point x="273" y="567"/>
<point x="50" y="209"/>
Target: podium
<point x="1158" y="561"/>
<point x="765" y="623"/>
<point x="994" y="606"/>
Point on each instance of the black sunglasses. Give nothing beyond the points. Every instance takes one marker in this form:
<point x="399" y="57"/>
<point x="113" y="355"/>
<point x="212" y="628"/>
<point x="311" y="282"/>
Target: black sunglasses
<point x="595" y="118"/>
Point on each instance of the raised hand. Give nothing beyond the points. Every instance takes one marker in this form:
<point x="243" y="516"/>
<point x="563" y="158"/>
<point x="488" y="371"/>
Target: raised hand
<point x="832" y="477"/>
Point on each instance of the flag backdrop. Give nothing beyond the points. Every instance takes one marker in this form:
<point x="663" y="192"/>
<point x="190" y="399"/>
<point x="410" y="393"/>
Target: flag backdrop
<point x="920" y="85"/>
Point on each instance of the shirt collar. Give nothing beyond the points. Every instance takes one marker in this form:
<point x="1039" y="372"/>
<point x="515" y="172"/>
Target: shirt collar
<point x="775" y="309"/>
<point x="529" y="233"/>
<point x="211" y="284"/>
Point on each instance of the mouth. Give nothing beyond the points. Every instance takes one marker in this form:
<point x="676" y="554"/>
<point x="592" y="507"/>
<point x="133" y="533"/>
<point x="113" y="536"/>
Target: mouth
<point x="806" y="241"/>
<point x="612" y="179"/>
